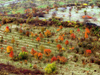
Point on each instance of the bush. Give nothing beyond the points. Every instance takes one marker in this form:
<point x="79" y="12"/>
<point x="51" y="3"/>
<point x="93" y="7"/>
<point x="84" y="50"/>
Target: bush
<point x="41" y="48"/>
<point x="9" y="49"/>
<point x="50" y="68"/>
<point x="23" y="55"/>
<point x="47" y="33"/>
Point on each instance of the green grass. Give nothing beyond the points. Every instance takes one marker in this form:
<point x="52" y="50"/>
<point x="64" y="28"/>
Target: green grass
<point x="42" y="6"/>
<point x="5" y="1"/>
<point x="61" y="3"/>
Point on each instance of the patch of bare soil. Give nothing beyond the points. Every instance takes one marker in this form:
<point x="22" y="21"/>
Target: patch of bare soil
<point x="6" y="68"/>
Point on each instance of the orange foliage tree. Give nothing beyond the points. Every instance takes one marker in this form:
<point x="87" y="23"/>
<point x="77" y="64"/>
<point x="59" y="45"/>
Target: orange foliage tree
<point x="47" y="33"/>
<point x="38" y="39"/>
<point x="59" y="46"/>
<point x="61" y="59"/>
<point x="61" y="38"/>
<point x="33" y="51"/>
<point x="87" y="30"/>
<point x="73" y="36"/>
<point x="60" y="26"/>
<point x="36" y="55"/>
<point x="41" y="35"/>
<point x="86" y="36"/>
<point x="47" y="52"/>
<point x="9" y="49"/>
<point x="58" y="29"/>
<point x="7" y="29"/>
<point x="56" y="40"/>
<point x="40" y="56"/>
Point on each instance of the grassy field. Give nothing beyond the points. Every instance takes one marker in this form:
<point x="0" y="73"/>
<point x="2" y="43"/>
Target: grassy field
<point x="75" y="67"/>
<point x="3" y="1"/>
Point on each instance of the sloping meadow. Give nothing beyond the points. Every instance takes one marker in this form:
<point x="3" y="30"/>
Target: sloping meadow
<point x="31" y="38"/>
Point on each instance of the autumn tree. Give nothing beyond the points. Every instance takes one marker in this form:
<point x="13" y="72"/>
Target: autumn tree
<point x="38" y="39"/>
<point x="41" y="35"/>
<point x="33" y="51"/>
<point x="59" y="46"/>
<point x="53" y="59"/>
<point x="40" y="55"/>
<point x="73" y="36"/>
<point x="7" y="29"/>
<point x="42" y="48"/>
<point x="27" y="33"/>
<point x="61" y="38"/>
<point x="47" y="33"/>
<point x="13" y="40"/>
<point x="66" y="42"/>
<point x="9" y="49"/>
<point x="86" y="35"/>
<point x="32" y="34"/>
<point x="11" y="54"/>
<point x="47" y="52"/>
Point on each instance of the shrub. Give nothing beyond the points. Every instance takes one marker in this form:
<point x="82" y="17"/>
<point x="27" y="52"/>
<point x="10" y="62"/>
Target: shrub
<point x="73" y="36"/>
<point x="61" y="38"/>
<point x="13" y="40"/>
<point x="27" y="33"/>
<point x="40" y="56"/>
<point x="9" y="49"/>
<point x="43" y="29"/>
<point x="66" y="42"/>
<point x="50" y="68"/>
<point x="7" y="29"/>
<point x="23" y="55"/>
<point x="38" y="39"/>
<point x="59" y="46"/>
<point x="11" y="54"/>
<point x="53" y="59"/>
<point x="47" y="52"/>
<point x="33" y="51"/>
<point x="41" y="48"/>
<point x="62" y="59"/>
<point x="41" y="35"/>
<point x="47" y="33"/>
<point x="59" y="24"/>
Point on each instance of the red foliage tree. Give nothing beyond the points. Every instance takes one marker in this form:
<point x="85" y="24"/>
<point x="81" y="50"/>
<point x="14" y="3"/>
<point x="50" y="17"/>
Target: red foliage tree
<point x="53" y="59"/>
<point x="59" y="46"/>
<point x="73" y="36"/>
<point x="66" y="42"/>
<point x="11" y="54"/>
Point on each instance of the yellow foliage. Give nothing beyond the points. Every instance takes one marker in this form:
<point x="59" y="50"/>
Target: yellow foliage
<point x="7" y="30"/>
<point x="32" y="34"/>
<point x="63" y="49"/>
<point x="71" y="31"/>
<point x="13" y="40"/>
<point x="9" y="49"/>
